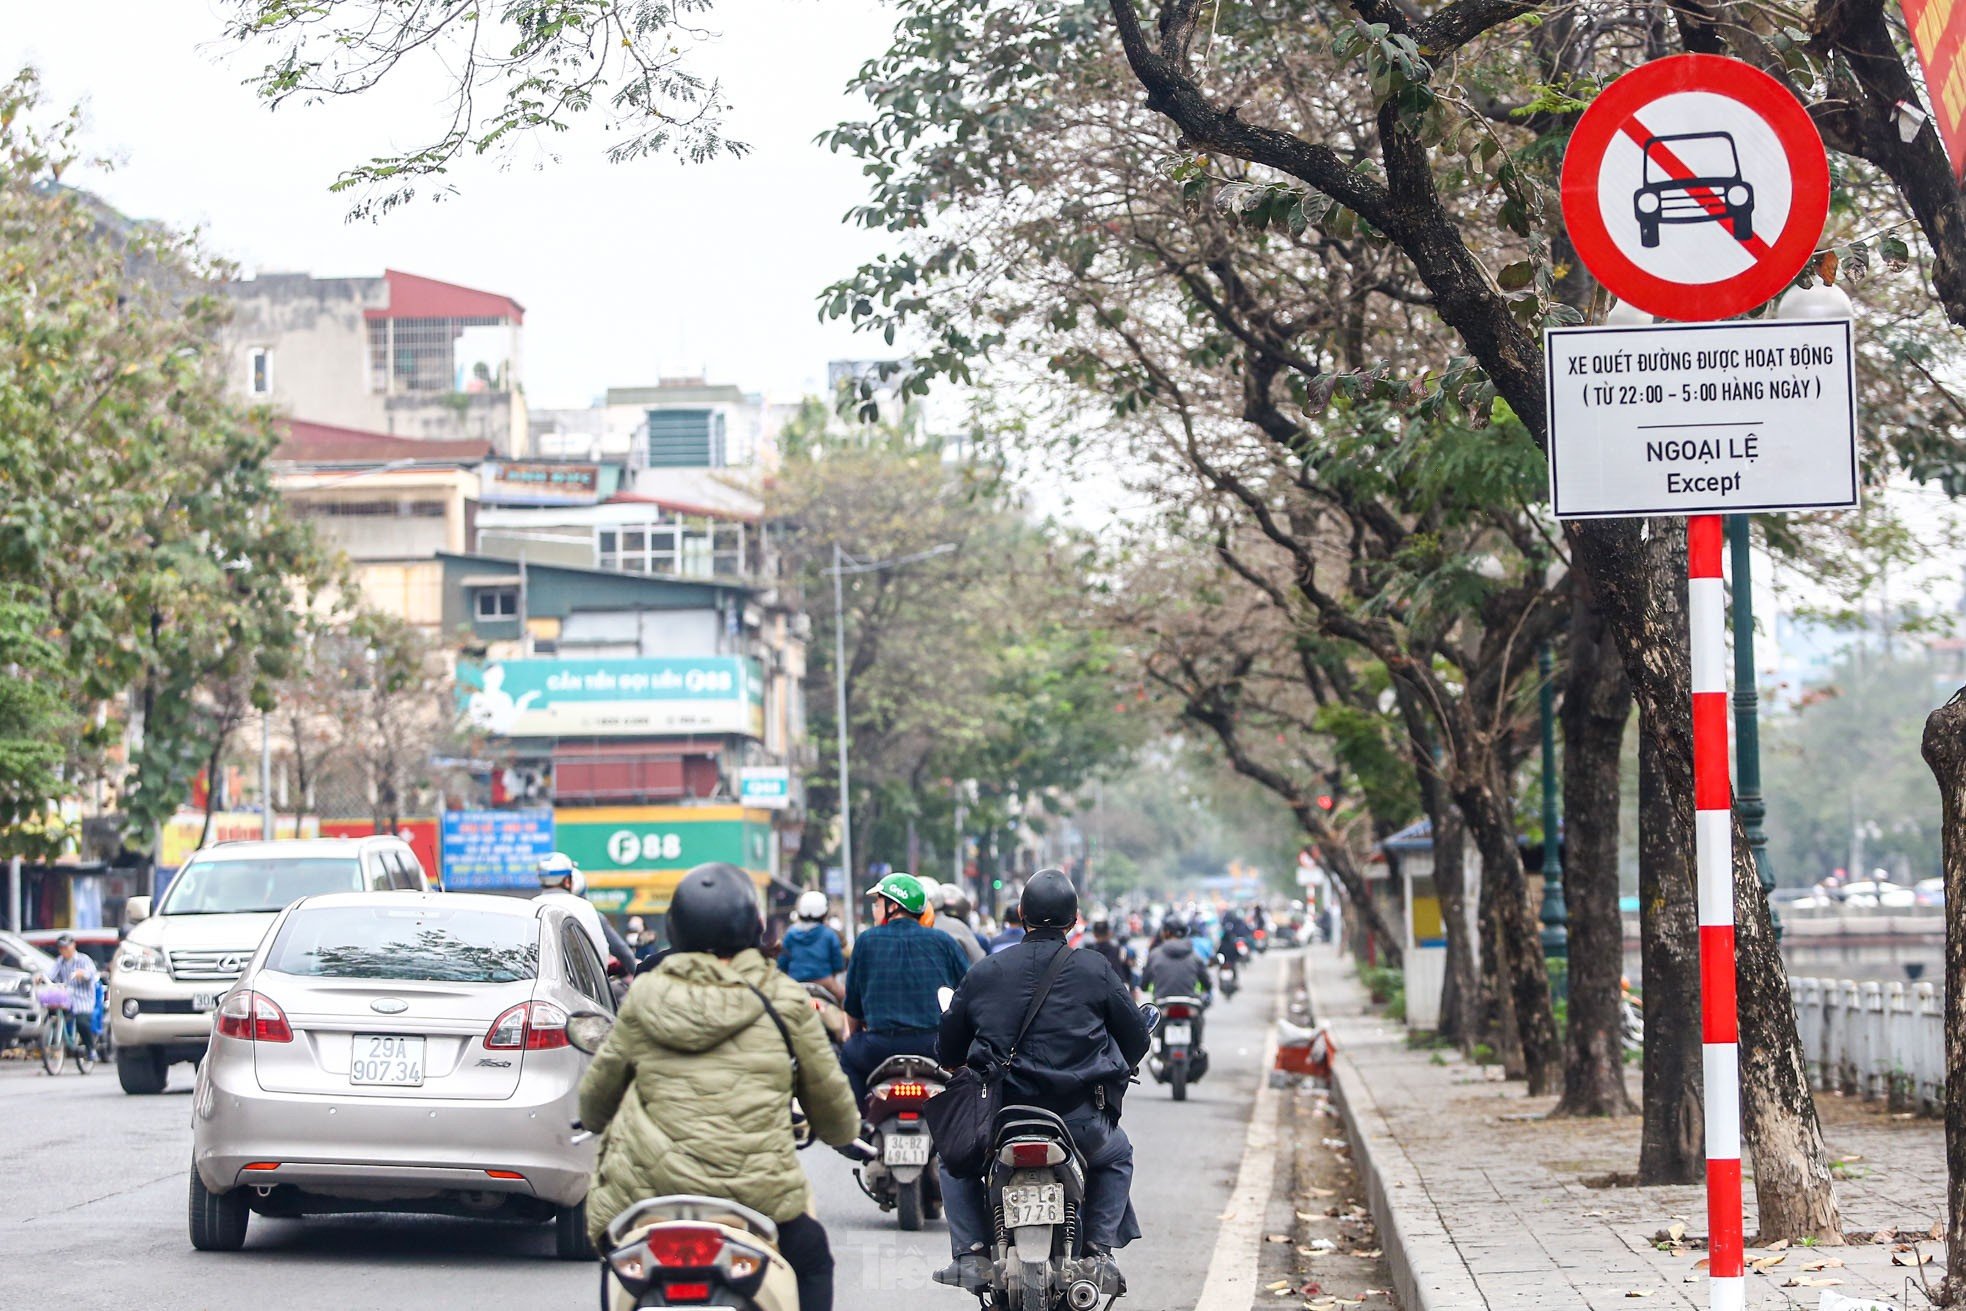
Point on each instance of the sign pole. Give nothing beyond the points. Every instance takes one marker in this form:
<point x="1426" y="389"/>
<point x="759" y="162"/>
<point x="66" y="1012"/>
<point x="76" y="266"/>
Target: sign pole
<point x="1706" y="606"/>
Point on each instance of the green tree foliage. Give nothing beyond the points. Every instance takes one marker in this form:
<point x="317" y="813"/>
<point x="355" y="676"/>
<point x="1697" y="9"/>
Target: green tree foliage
<point x="36" y="725"/>
<point x="967" y="665"/>
<point x="1845" y="757"/>
<point x="136" y="508"/>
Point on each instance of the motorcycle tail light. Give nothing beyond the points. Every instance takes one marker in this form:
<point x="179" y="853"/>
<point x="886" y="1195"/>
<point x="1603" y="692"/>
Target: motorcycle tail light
<point x="1176" y="1011"/>
<point x="684" y="1246"/>
<point x="1031" y="1156"/>
<point x="909" y="1117"/>
<point x="686" y="1294"/>
<point x="909" y="1091"/>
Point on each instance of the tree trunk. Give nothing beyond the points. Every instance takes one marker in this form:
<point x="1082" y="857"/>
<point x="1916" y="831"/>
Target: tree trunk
<point x="1672" y="1140"/>
<point x="1520" y="952"/>
<point x="1596" y="706"/>
<point x="1945" y="753"/>
<point x="1461" y="990"/>
<point x="1494" y="1017"/>
<point x="1358" y="891"/>
<point x="1640" y="579"/>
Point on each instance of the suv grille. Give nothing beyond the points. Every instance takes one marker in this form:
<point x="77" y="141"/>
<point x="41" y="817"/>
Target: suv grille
<point x="217" y="966"/>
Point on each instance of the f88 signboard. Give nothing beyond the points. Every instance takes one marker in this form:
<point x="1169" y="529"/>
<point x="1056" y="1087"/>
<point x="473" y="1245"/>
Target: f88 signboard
<point x="1710" y="418"/>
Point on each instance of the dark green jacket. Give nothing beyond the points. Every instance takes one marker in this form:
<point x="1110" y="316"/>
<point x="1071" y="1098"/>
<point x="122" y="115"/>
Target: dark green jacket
<point x="692" y="1091"/>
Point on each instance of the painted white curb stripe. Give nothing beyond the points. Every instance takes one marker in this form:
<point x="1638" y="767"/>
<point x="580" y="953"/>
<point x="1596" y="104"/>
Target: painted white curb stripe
<point x="1235" y="1267"/>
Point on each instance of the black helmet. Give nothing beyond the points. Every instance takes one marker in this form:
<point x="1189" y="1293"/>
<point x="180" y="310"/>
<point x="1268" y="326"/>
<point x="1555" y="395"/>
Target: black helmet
<point x="715" y="909"/>
<point x="1049" y="901"/>
<point x="1174" y="927"/>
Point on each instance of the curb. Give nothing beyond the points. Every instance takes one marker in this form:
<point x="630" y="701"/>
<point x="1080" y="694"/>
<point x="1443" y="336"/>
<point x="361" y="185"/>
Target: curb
<point x="1427" y="1269"/>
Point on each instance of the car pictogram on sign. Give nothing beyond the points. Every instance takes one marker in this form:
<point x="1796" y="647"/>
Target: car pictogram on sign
<point x="1693" y="177"/>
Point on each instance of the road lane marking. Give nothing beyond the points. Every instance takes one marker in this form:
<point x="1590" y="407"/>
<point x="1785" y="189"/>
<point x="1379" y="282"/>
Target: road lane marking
<point x="1234" y="1268"/>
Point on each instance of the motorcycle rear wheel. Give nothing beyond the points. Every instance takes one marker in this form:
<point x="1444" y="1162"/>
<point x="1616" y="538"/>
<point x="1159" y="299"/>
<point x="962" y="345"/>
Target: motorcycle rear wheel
<point x="1177" y="1078"/>
<point x="908" y="1199"/>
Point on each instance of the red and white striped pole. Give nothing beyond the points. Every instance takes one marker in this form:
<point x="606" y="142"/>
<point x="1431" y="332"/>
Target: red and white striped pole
<point x="1713" y="845"/>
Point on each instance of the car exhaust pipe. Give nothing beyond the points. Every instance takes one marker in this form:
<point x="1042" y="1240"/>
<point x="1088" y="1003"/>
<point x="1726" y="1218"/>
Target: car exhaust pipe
<point x="1083" y="1295"/>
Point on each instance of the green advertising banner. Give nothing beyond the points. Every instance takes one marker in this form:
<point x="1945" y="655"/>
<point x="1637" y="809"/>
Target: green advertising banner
<point x="633" y="855"/>
<point x="627" y="697"/>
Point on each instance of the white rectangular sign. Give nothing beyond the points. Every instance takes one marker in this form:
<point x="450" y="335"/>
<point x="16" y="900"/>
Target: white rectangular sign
<point x="1702" y="418"/>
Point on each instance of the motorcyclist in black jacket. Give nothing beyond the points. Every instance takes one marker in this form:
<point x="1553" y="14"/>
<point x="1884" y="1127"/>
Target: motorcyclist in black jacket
<point x="1075" y="1061"/>
<point x="1174" y="969"/>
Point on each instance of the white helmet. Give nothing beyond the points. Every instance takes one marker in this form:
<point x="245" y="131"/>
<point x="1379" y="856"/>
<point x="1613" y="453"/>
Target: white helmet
<point x="557" y="866"/>
<point x="931" y="891"/>
<point x="812" y="905"/>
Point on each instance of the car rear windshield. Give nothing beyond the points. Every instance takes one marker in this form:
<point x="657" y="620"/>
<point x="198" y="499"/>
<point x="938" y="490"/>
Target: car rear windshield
<point x="443" y="944"/>
<point x="239" y="886"/>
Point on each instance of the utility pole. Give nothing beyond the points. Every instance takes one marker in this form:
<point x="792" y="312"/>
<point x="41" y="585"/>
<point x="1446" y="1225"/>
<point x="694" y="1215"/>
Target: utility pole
<point x="851" y="909"/>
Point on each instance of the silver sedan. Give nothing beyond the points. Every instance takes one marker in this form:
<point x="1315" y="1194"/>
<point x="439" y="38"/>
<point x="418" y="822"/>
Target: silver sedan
<point x="399" y="1051"/>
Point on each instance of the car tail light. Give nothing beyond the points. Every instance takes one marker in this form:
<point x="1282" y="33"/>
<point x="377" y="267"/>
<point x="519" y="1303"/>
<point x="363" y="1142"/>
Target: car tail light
<point x="1030" y="1156"/>
<point x="530" y="1026"/>
<point x="906" y="1092"/>
<point x="684" y="1246"/>
<point x="253" y="1017"/>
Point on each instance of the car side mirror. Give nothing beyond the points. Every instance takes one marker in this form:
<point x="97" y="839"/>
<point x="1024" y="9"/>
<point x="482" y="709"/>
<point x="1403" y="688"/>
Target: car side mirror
<point x="136" y="910"/>
<point x="588" y="1030"/>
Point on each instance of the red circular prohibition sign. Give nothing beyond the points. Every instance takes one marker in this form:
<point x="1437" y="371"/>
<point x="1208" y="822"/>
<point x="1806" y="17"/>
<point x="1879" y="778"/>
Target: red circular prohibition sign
<point x="1623" y="100"/>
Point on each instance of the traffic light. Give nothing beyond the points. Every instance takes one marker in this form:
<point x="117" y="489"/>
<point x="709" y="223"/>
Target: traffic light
<point x="997" y="884"/>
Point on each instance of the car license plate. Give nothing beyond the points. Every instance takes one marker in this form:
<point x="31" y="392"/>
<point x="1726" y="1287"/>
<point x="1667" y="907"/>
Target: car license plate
<point x="1178" y="1033"/>
<point x="386" y="1058"/>
<point x="204" y="1001"/>
<point x="905" y="1148"/>
<point x="1033" y="1204"/>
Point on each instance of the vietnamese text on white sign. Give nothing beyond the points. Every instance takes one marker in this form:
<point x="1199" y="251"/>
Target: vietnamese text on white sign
<point x="1702" y="418"/>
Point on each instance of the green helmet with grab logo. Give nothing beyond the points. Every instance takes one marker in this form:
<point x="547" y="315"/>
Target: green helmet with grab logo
<point x="904" y="890"/>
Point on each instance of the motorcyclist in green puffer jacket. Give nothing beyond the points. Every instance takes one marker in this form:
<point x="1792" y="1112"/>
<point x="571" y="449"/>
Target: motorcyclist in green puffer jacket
<point x="691" y="1092"/>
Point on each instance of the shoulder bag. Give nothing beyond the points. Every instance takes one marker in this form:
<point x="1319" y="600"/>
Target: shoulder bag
<point x="960" y="1115"/>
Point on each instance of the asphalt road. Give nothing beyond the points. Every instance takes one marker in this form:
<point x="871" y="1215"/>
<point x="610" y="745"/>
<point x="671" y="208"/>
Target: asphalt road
<point x="93" y="1211"/>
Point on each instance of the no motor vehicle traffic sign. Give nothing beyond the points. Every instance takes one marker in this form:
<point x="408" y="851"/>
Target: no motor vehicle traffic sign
<point x="1709" y="418"/>
<point x="1695" y="187"/>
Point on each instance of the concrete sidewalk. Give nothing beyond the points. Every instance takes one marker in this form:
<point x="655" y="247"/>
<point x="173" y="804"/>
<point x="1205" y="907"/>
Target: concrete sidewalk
<point x="1482" y="1202"/>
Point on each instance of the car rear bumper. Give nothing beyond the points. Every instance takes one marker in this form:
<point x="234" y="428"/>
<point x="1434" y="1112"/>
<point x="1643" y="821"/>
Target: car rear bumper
<point x="384" y="1149"/>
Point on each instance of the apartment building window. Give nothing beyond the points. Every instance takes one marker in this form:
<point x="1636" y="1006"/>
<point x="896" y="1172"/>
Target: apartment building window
<point x="498" y="603"/>
<point x="674" y="547"/>
<point x="424" y="355"/>
<point x="259" y="371"/>
<point x="685" y="439"/>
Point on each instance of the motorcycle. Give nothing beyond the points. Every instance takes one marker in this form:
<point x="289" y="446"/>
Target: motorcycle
<point x="1227" y="977"/>
<point x="902" y="1176"/>
<point x="1178" y="1060"/>
<point x="696" y="1251"/>
<point x="1036" y="1186"/>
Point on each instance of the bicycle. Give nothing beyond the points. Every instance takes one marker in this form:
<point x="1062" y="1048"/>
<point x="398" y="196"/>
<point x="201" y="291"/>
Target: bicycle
<point x="60" y="1036"/>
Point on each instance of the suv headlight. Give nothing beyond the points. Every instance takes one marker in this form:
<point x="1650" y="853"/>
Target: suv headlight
<point x="136" y="956"/>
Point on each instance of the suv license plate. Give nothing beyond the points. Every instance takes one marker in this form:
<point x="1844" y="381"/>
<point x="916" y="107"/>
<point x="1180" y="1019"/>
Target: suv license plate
<point x="204" y="1001"/>
<point x="1033" y="1204"/>
<point x="386" y="1058"/>
<point x="905" y="1148"/>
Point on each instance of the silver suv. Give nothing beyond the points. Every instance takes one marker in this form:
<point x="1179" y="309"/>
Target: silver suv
<point x="178" y="961"/>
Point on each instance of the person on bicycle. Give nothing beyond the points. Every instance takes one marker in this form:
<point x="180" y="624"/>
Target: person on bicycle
<point x="691" y="1092"/>
<point x="77" y="973"/>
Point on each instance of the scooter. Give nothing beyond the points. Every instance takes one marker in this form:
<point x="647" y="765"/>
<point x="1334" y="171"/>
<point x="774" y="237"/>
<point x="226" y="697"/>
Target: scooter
<point x="695" y="1251"/>
<point x="1227" y="976"/>
<point x="903" y="1176"/>
<point x="1178" y="1060"/>
<point x="1035" y="1182"/>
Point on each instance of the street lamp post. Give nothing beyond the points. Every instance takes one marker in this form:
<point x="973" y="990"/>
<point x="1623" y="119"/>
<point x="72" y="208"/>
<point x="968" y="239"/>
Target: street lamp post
<point x="844" y="564"/>
<point x="1556" y="928"/>
<point x="1747" y="729"/>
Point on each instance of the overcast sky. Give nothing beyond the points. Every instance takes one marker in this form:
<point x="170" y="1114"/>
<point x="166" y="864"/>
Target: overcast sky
<point x="627" y="272"/>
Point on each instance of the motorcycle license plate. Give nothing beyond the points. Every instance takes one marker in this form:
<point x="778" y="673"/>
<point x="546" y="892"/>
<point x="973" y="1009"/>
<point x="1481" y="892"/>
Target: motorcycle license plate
<point x="905" y="1149"/>
<point x="1178" y="1032"/>
<point x="1033" y="1204"/>
<point x="386" y="1058"/>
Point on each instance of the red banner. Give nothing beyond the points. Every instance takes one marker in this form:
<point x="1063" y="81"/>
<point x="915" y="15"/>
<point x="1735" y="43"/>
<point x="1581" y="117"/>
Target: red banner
<point x="1939" y="34"/>
<point x="421" y="834"/>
